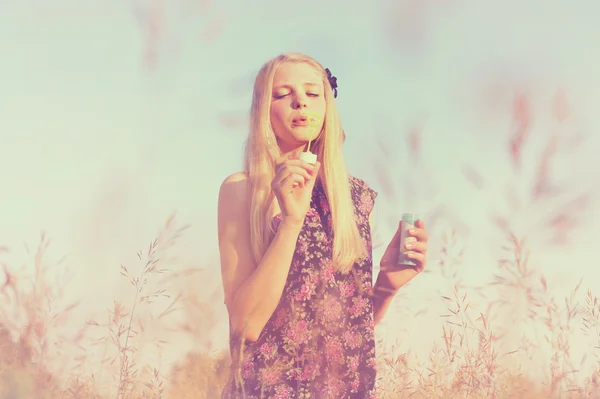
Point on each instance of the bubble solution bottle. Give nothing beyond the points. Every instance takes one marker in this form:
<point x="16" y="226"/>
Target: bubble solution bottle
<point x="408" y="222"/>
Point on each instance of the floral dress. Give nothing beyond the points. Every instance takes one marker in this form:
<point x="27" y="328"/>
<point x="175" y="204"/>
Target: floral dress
<point x="319" y="343"/>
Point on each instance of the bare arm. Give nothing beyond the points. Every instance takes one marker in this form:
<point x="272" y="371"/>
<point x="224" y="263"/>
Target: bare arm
<point x="252" y="292"/>
<point x="382" y="297"/>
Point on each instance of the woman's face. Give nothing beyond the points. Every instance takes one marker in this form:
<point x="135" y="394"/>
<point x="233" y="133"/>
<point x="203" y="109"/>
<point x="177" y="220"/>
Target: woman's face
<point x="298" y="93"/>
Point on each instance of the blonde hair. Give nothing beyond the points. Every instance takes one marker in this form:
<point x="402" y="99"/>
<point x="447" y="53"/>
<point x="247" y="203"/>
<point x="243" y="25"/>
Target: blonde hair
<point x="262" y="150"/>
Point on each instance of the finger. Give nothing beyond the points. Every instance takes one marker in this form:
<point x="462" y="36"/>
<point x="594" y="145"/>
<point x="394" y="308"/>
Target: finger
<point x="289" y="170"/>
<point x="283" y="183"/>
<point x="302" y="164"/>
<point x="419" y="234"/>
<point x="401" y="228"/>
<point x="281" y="160"/>
<point x="419" y="258"/>
<point x="279" y="167"/>
<point x="298" y="164"/>
<point x="420" y="225"/>
<point x="292" y="181"/>
<point x="299" y="181"/>
<point x="416" y="246"/>
<point x="315" y="173"/>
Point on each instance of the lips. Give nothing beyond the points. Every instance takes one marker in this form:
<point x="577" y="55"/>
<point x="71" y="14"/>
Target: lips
<point x="300" y="121"/>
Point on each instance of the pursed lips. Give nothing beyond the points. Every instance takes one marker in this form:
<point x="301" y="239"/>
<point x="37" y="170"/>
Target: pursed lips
<point x="300" y="121"/>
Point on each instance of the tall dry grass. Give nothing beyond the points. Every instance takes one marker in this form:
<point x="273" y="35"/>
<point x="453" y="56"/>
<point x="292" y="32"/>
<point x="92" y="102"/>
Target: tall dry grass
<point x="510" y="338"/>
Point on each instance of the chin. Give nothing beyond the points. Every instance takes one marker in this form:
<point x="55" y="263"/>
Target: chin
<point x="298" y="135"/>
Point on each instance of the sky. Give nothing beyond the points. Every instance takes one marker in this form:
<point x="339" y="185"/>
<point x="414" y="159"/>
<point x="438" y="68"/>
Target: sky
<point x="116" y="114"/>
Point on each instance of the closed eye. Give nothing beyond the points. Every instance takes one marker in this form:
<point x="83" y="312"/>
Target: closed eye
<point x="287" y="94"/>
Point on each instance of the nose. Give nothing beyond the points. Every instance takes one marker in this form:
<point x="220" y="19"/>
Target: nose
<point x="300" y="102"/>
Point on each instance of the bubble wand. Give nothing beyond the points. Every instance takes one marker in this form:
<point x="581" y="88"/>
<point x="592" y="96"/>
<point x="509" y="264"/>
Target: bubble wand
<point x="314" y="122"/>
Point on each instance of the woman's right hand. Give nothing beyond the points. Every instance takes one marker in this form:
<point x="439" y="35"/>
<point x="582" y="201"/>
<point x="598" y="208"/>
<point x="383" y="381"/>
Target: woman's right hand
<point x="293" y="185"/>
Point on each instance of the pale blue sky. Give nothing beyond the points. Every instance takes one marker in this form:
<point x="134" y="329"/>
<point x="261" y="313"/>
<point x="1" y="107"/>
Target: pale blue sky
<point x="85" y="130"/>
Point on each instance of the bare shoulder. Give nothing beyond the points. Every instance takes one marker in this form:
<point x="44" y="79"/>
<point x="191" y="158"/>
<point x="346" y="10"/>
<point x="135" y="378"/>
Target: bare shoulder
<point x="234" y="189"/>
<point x="233" y="203"/>
<point x="234" y="234"/>
<point x="236" y="177"/>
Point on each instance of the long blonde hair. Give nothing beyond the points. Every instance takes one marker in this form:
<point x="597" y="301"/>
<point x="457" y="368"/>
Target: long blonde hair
<point x="262" y="150"/>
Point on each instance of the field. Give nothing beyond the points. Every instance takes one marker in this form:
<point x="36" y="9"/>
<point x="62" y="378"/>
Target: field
<point x="511" y="337"/>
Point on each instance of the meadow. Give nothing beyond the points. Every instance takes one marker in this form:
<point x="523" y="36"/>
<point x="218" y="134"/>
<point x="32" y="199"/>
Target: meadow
<point x="509" y="338"/>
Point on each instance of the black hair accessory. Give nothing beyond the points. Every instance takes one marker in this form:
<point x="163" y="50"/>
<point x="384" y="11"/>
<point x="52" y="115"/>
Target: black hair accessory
<point x="332" y="81"/>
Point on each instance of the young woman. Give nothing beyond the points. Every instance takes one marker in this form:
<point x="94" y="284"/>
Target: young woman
<point x="295" y="248"/>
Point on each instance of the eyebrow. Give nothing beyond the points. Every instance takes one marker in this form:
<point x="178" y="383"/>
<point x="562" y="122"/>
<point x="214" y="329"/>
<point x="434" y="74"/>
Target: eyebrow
<point x="289" y="86"/>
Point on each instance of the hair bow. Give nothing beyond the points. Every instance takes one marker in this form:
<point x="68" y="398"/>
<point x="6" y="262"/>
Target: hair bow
<point x="332" y="81"/>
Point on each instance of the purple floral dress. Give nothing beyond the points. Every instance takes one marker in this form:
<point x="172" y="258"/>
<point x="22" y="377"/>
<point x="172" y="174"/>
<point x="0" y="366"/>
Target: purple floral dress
<point x="320" y="341"/>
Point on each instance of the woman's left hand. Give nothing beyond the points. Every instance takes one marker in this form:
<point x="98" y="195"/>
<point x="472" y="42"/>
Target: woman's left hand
<point x="392" y="275"/>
